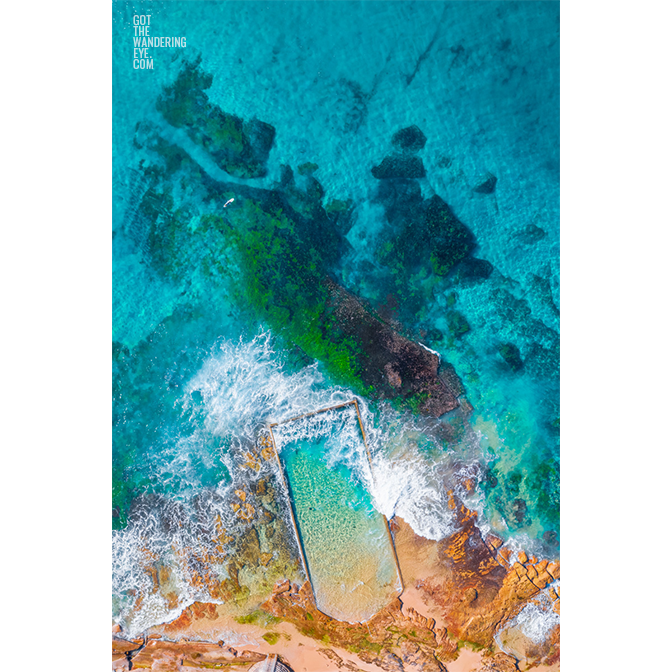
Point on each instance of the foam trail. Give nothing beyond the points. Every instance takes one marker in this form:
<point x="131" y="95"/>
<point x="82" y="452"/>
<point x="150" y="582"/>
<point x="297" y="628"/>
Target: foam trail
<point x="434" y="352"/>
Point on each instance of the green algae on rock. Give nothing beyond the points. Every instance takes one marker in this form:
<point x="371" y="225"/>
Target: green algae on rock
<point x="279" y="246"/>
<point x="425" y="231"/>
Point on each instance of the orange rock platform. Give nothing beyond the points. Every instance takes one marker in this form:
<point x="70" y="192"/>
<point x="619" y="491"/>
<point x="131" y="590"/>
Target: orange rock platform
<point x="459" y="593"/>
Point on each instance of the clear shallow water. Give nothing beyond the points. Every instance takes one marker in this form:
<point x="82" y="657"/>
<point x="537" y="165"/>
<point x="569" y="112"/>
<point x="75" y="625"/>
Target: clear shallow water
<point x="347" y="545"/>
<point x="194" y="383"/>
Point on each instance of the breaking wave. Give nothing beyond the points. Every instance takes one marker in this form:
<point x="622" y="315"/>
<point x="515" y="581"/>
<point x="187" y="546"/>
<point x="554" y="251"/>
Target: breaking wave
<point x="240" y="389"/>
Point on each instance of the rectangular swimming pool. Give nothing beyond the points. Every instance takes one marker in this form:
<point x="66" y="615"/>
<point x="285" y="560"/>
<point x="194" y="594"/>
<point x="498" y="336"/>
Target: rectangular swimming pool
<point x="346" y="543"/>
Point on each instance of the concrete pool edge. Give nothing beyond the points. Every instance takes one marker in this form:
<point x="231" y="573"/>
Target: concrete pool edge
<point x="288" y="493"/>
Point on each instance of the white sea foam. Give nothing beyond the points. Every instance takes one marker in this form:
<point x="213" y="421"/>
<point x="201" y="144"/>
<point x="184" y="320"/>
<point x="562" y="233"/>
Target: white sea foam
<point x="342" y="423"/>
<point x="240" y="389"/>
<point x="411" y="488"/>
<point x="408" y="481"/>
<point x="523" y="542"/>
<point x="161" y="530"/>
<point x="244" y="386"/>
<point x="535" y="621"/>
<point x="434" y="352"/>
<point x="401" y="480"/>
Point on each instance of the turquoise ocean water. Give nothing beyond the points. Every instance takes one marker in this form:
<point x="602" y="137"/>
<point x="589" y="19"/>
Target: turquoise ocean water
<point x="202" y="363"/>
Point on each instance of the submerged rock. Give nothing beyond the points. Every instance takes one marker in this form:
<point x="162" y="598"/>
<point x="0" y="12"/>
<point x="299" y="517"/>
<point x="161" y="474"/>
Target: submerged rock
<point x="307" y="168"/>
<point x="238" y="147"/>
<point x="520" y="511"/>
<point x="399" y="166"/>
<point x="511" y="355"/>
<point x="457" y="323"/>
<point x="475" y="269"/>
<point x="260" y="136"/>
<point x="530" y="234"/>
<point x="424" y="238"/>
<point x="402" y="200"/>
<point x="450" y="239"/>
<point x="487" y="186"/>
<point x="542" y="291"/>
<point x="410" y="139"/>
<point x="427" y="232"/>
<point x="304" y="196"/>
<point x="543" y="362"/>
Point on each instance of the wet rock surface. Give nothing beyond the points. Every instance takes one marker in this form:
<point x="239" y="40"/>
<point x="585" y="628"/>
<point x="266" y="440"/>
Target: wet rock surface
<point x="474" y="588"/>
<point x="475" y="269"/>
<point x="392" y="364"/>
<point x="163" y="655"/>
<point x="530" y="234"/>
<point x="500" y="662"/>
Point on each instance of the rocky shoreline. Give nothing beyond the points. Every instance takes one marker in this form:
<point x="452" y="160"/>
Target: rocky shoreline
<point x="460" y="601"/>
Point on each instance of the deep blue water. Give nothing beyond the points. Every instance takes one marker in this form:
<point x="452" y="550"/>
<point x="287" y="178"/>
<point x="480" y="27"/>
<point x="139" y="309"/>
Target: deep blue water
<point x="197" y="374"/>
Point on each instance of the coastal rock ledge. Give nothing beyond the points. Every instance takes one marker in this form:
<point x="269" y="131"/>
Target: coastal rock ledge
<point x="461" y="598"/>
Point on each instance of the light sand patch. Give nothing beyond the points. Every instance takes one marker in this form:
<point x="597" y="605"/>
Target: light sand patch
<point x="300" y="651"/>
<point x="467" y="661"/>
<point x="419" y="561"/>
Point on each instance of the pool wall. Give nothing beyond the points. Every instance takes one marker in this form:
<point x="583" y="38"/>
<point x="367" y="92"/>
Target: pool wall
<point x="293" y="513"/>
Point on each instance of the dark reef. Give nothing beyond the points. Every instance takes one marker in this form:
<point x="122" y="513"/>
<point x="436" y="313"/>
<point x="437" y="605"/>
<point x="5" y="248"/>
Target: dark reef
<point x="410" y="139"/>
<point x="399" y="166"/>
